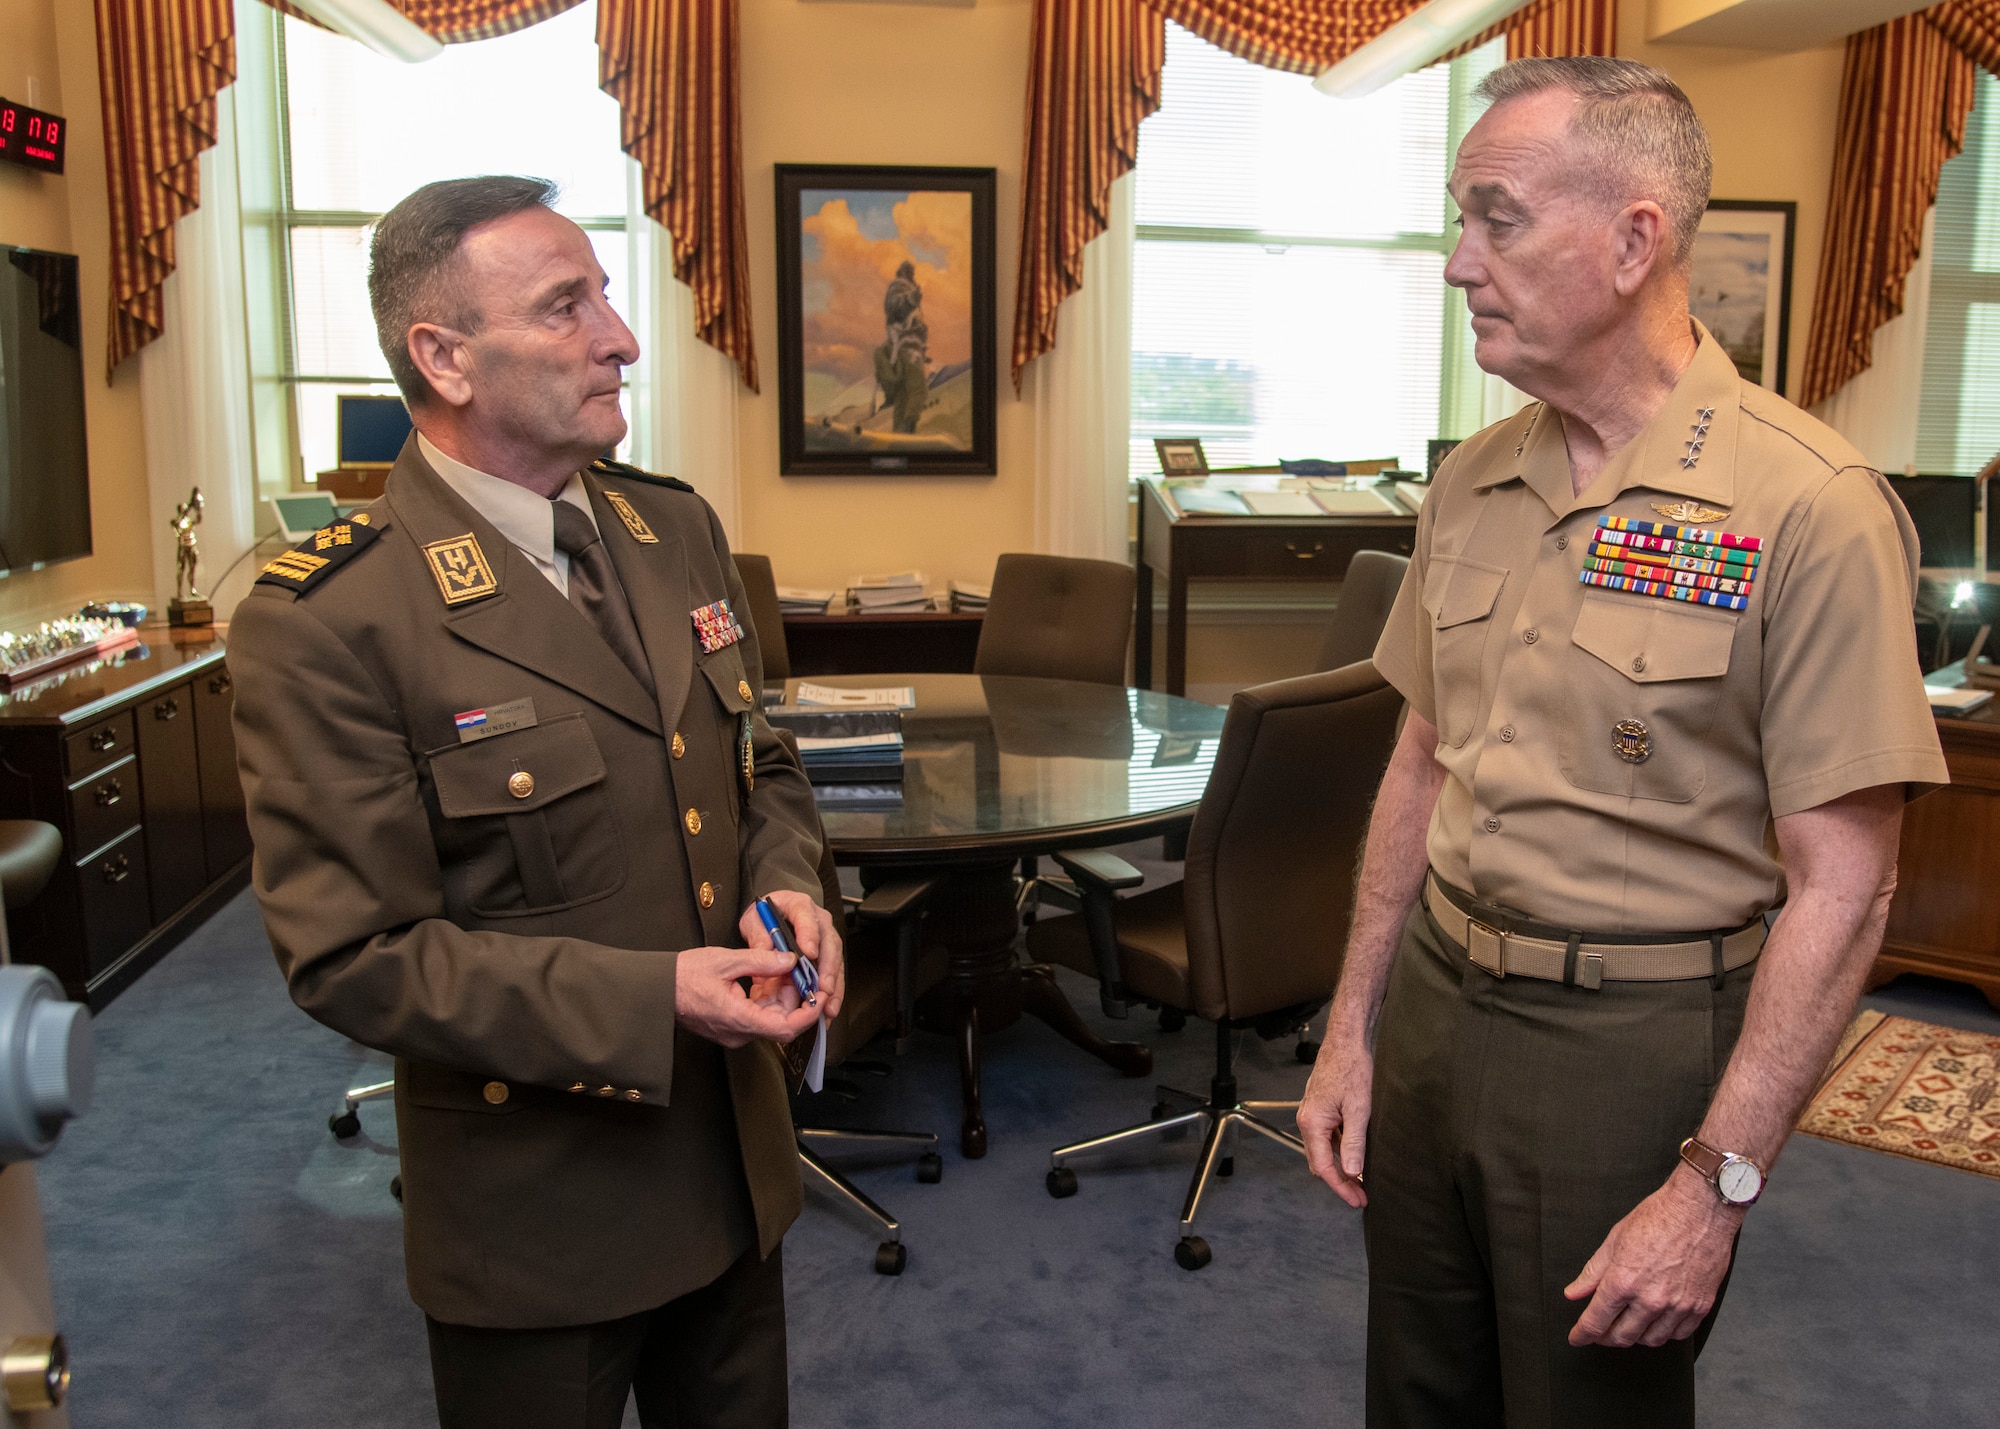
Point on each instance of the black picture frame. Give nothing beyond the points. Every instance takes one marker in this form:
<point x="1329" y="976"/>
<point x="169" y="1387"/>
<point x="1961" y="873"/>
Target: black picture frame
<point x="836" y="318"/>
<point x="1771" y="224"/>
<point x="1180" y="456"/>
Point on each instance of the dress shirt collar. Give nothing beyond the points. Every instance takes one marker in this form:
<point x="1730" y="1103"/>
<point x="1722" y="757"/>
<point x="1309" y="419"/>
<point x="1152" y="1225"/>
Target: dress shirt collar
<point x="516" y="512"/>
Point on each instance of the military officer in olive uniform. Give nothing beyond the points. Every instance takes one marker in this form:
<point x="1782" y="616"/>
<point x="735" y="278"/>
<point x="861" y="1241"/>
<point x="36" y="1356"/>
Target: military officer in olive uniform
<point x="1633" y="854"/>
<point x="511" y="795"/>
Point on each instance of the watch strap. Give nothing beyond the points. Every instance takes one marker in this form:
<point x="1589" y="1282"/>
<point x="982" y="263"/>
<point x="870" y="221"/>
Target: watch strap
<point x="1703" y="1157"/>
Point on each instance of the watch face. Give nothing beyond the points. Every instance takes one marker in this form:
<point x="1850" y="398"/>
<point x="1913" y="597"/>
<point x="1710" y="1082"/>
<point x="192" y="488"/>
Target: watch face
<point x="1739" y="1180"/>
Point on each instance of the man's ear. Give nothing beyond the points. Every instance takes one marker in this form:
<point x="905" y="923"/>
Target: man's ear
<point x="440" y="353"/>
<point x="1639" y="239"/>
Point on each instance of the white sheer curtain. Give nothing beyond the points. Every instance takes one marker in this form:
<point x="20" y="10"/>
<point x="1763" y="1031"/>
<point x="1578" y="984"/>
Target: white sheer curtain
<point x="1877" y="411"/>
<point x="194" y="386"/>
<point x="683" y="393"/>
<point x="1082" y="394"/>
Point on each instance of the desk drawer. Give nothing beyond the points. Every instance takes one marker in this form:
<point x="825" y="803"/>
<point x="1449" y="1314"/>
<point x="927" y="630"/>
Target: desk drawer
<point x="104" y="805"/>
<point x="101" y="744"/>
<point x="1290" y="553"/>
<point x="116" y="910"/>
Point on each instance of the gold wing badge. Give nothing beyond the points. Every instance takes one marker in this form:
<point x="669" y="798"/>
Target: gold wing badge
<point x="1688" y="512"/>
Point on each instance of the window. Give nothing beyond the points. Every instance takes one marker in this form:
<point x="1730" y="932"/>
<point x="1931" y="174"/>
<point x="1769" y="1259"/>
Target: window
<point x="1958" y="421"/>
<point x="360" y="132"/>
<point x="1288" y="277"/>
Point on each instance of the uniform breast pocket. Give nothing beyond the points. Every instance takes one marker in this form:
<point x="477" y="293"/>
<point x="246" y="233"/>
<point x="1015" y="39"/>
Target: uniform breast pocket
<point x="1459" y="595"/>
<point x="1645" y="680"/>
<point x="529" y="827"/>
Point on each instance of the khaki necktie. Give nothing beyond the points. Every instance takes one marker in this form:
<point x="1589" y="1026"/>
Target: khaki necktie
<point x="594" y="589"/>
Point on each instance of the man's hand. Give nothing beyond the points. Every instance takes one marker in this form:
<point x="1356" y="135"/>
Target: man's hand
<point x="1333" y="1113"/>
<point x="710" y="1002"/>
<point x="812" y="930"/>
<point x="1655" y="1277"/>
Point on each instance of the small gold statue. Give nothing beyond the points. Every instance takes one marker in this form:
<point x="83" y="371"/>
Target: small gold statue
<point x="189" y="606"/>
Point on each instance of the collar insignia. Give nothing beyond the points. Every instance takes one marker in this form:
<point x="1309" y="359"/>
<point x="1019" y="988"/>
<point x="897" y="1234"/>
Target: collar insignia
<point x="461" y="569"/>
<point x="1688" y="511"/>
<point x="1702" y="417"/>
<point x="634" y="522"/>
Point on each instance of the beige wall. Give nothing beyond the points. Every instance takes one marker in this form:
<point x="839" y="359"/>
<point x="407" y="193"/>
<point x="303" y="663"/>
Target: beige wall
<point x="55" y="42"/>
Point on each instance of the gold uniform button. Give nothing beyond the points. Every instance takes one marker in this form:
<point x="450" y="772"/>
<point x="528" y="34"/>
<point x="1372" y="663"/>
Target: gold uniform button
<point x="578" y="1087"/>
<point x="694" y="821"/>
<point x="707" y="894"/>
<point x="607" y="1091"/>
<point x="495" y="1092"/>
<point x="632" y="1095"/>
<point x="680" y="745"/>
<point x="743" y="689"/>
<point x="520" y="783"/>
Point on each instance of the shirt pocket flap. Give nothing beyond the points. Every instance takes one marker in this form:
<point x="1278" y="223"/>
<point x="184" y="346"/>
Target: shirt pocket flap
<point x="724" y="669"/>
<point x="1647" y="639"/>
<point x="1457" y="590"/>
<point x="559" y="757"/>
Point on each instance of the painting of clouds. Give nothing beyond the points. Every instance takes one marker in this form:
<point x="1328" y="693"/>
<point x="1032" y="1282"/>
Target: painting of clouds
<point x="886" y="299"/>
<point x="1740" y="284"/>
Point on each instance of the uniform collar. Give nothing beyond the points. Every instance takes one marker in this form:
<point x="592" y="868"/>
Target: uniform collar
<point x="522" y="516"/>
<point x="1687" y="450"/>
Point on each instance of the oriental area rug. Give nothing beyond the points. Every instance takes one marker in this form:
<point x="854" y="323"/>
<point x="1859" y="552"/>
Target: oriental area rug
<point x="1913" y="1089"/>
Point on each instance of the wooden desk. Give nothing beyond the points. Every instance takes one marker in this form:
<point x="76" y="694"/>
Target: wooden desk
<point x="1239" y="548"/>
<point x="922" y="642"/>
<point x="1945" y="920"/>
<point x="132" y="757"/>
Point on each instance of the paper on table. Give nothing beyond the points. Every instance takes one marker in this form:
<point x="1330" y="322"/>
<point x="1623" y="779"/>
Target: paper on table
<point x="888" y="697"/>
<point x="1280" y="503"/>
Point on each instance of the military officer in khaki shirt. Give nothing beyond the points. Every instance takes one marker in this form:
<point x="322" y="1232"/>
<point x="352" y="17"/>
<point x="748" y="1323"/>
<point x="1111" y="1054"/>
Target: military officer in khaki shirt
<point x="1656" y="644"/>
<point x="511" y="794"/>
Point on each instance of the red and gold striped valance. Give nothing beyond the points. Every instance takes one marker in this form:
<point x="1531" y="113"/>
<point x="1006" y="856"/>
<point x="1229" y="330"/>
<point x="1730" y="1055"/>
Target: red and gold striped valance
<point x="1904" y="96"/>
<point x="1094" y="74"/>
<point x="670" y="64"/>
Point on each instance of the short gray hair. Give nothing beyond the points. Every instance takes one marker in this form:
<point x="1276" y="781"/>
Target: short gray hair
<point x="1638" y="131"/>
<point x="413" y="262"/>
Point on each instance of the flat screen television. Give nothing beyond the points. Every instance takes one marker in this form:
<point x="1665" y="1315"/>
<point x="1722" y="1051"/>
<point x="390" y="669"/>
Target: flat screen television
<point x="44" y="467"/>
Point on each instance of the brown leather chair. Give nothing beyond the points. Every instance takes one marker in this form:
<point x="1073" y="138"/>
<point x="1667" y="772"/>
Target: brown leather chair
<point x="1252" y="937"/>
<point x="761" y="585"/>
<point x="1059" y="618"/>
<point x="1367" y="595"/>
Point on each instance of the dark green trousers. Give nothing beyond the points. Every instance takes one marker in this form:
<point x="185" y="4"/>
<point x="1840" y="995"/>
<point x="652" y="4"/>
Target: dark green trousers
<point x="1515" y="1122"/>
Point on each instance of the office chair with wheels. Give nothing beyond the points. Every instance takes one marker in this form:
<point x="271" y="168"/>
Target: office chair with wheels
<point x="29" y="853"/>
<point x="1251" y="938"/>
<point x="765" y="617"/>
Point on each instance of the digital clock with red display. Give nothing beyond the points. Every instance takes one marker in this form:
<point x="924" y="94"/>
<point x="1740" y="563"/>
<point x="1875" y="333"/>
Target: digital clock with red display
<point x="30" y="137"/>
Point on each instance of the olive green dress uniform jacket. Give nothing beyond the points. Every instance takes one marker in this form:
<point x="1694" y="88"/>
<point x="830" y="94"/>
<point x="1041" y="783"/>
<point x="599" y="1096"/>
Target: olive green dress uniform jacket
<point x="567" y="1155"/>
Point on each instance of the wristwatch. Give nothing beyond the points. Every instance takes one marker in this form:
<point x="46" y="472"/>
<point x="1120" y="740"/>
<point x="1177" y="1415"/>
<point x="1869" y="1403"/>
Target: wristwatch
<point x="1737" y="1179"/>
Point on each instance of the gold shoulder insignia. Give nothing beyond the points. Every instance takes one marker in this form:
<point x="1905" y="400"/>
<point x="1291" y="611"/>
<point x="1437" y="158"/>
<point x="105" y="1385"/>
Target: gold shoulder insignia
<point x="605" y="466"/>
<point x="634" y="522"/>
<point x="322" y="553"/>
<point x="1688" y="512"/>
<point x="461" y="569"/>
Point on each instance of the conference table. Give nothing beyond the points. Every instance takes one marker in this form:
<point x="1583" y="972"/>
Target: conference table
<point x="997" y="769"/>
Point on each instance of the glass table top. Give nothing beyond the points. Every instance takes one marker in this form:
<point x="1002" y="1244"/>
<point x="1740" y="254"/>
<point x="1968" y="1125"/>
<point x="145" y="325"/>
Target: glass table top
<point x="1001" y="766"/>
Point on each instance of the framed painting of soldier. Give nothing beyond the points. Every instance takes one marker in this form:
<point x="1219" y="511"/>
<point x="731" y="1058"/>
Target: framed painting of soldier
<point x="887" y="359"/>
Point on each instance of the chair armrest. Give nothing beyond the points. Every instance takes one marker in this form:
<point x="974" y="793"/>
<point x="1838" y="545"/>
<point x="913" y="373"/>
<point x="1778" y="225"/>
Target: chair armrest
<point x="896" y="899"/>
<point x="1097" y="870"/>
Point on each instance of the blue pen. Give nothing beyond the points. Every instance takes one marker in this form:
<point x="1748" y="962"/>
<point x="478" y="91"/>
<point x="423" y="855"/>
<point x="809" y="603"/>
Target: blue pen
<point x="805" y="976"/>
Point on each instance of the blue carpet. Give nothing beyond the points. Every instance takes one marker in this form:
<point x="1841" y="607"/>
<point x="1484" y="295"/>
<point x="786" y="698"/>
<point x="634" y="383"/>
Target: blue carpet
<point x="220" y="1261"/>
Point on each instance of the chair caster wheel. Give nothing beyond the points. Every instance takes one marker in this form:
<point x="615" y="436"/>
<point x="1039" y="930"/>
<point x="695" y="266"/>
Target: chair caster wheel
<point x="1172" y="1019"/>
<point x="1307" y="1051"/>
<point x="1061" y="1182"/>
<point x="930" y="1168"/>
<point x="1192" y="1253"/>
<point x="890" y="1257"/>
<point x="344" y="1124"/>
<point x="396" y="1188"/>
<point x="1226" y="1166"/>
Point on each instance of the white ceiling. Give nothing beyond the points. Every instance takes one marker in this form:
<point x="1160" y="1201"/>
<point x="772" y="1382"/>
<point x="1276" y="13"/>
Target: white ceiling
<point x="1769" y="24"/>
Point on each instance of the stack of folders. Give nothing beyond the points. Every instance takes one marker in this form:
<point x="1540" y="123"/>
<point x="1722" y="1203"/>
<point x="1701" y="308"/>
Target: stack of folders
<point x="794" y="601"/>
<point x="890" y="594"/>
<point x="854" y="758"/>
<point x="966" y="597"/>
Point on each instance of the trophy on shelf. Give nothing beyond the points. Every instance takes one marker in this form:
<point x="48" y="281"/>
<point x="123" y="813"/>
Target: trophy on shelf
<point x="189" y="606"/>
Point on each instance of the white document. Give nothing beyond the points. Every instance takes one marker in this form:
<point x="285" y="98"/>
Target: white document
<point x="1365" y="502"/>
<point x="889" y="697"/>
<point x="1279" y="503"/>
<point x="1956" y="701"/>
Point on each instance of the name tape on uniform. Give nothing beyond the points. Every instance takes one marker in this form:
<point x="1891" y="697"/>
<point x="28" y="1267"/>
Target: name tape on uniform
<point x="494" y="719"/>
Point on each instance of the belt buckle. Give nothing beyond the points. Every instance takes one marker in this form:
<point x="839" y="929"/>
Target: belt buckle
<point x="1486" y="947"/>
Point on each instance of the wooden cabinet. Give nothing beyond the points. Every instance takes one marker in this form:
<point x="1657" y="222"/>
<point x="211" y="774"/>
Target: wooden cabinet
<point x="132" y="757"/>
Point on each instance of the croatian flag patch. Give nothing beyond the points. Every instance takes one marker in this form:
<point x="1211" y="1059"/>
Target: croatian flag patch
<point x="471" y="719"/>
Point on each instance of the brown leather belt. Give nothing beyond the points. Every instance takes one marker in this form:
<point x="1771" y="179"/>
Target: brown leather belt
<point x="1575" y="959"/>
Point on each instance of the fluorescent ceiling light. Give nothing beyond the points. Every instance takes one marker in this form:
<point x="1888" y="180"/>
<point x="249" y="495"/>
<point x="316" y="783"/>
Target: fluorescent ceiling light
<point x="1411" y="43"/>
<point x="376" y="24"/>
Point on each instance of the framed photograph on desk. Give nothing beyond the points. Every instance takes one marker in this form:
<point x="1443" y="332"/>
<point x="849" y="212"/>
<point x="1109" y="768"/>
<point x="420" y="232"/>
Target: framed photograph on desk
<point x="887" y="357"/>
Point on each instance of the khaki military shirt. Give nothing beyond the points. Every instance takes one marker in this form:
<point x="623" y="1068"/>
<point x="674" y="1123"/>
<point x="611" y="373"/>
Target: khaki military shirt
<point x="1615" y="758"/>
